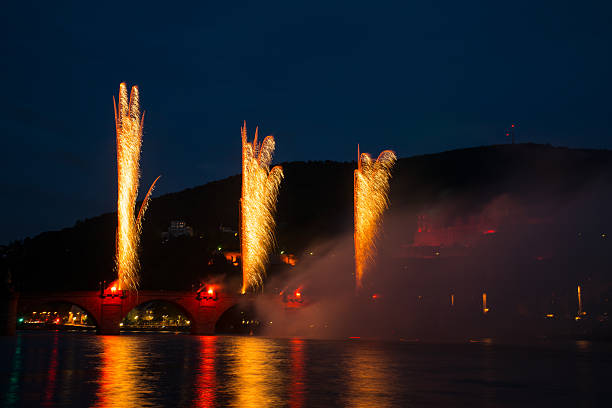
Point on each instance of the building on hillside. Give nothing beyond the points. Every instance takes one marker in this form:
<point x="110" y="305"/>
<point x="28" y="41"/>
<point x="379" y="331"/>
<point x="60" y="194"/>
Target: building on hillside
<point x="177" y="229"/>
<point x="228" y="230"/>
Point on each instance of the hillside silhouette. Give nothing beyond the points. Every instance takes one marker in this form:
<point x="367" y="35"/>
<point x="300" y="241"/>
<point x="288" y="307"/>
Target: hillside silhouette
<point x="315" y="204"/>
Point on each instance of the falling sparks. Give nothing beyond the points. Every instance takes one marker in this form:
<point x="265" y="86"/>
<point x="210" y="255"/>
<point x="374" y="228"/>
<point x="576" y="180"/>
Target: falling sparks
<point x="128" y="124"/>
<point x="370" y="200"/>
<point x="257" y="206"/>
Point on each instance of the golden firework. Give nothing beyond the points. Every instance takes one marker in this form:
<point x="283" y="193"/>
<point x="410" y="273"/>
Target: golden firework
<point x="128" y="124"/>
<point x="371" y="186"/>
<point x="257" y="206"/>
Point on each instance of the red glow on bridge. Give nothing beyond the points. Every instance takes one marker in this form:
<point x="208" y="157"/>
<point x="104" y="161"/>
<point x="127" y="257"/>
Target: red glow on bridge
<point x="112" y="290"/>
<point x="491" y="231"/>
<point x="208" y="293"/>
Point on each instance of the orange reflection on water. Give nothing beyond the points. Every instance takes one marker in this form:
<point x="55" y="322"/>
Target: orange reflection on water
<point x="370" y="379"/>
<point x="257" y="380"/>
<point x="298" y="374"/>
<point x="122" y="373"/>
<point x="206" y="382"/>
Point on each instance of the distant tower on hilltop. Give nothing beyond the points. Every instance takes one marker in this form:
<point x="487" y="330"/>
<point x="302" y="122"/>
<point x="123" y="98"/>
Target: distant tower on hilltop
<point x="510" y="132"/>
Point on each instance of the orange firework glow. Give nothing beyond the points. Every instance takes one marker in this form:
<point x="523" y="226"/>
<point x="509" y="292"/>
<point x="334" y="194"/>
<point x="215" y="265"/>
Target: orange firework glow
<point x="371" y="181"/>
<point x="128" y="124"/>
<point x="257" y="206"/>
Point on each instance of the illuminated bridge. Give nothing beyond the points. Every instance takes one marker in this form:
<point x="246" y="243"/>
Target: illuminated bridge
<point x="109" y="308"/>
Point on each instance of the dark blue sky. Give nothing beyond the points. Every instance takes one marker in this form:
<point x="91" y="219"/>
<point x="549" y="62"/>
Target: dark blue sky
<point x="321" y="77"/>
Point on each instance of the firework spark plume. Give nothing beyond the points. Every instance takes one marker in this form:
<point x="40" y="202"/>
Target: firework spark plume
<point x="371" y="181"/>
<point x="128" y="124"/>
<point x="257" y="206"/>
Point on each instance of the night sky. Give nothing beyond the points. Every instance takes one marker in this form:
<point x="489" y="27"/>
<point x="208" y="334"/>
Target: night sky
<point x="320" y="77"/>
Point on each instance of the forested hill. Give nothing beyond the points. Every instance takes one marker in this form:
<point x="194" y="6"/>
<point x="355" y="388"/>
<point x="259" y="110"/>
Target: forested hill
<point x="315" y="202"/>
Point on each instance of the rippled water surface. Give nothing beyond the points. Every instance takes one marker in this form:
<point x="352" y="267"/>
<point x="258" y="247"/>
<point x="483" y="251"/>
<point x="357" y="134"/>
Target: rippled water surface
<point x="138" y="370"/>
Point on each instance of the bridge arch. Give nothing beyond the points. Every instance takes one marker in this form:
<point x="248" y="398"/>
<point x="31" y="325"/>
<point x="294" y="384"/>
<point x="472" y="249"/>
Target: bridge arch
<point x="239" y="318"/>
<point x="141" y="306"/>
<point x="25" y="308"/>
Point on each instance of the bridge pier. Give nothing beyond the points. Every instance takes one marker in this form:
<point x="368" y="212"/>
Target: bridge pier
<point x="205" y="313"/>
<point x="206" y="328"/>
<point x="110" y="317"/>
<point x="112" y="311"/>
<point x="8" y="314"/>
<point x="204" y="320"/>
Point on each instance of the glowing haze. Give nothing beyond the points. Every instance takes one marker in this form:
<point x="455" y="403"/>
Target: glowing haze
<point x="257" y="206"/>
<point x="128" y="124"/>
<point x="371" y="181"/>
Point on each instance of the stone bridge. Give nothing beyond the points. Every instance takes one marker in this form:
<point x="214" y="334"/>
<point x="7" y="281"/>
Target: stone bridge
<point x="109" y="308"/>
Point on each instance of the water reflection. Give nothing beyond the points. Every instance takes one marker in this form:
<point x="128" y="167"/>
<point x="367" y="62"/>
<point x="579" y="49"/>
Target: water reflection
<point x="206" y="382"/>
<point x="298" y="374"/>
<point x="77" y="370"/>
<point x="583" y="372"/>
<point x="13" y="386"/>
<point x="122" y="370"/>
<point x="583" y="345"/>
<point x="256" y="379"/>
<point x="369" y="377"/>
<point x="51" y="374"/>
<point x="488" y="373"/>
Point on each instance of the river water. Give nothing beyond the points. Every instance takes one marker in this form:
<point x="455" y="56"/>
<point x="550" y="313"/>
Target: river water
<point x="141" y="370"/>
